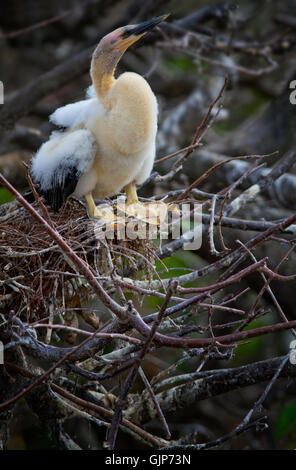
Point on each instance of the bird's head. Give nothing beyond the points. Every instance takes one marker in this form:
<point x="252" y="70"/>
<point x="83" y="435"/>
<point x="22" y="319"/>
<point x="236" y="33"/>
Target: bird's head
<point x="111" y="48"/>
<point x="122" y="38"/>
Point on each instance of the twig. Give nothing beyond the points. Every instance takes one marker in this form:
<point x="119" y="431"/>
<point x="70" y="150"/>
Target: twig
<point x="132" y="375"/>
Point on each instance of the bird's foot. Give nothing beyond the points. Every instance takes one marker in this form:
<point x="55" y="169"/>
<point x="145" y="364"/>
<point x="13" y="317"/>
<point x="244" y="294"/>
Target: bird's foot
<point x="103" y="212"/>
<point x="152" y="213"/>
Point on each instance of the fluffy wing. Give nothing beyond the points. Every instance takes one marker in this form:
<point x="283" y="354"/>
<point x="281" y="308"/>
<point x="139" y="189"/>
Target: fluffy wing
<point x="77" y="114"/>
<point x="60" y="162"/>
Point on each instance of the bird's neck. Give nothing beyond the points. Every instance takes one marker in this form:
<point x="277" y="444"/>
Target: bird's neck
<point x="102" y="85"/>
<point x="102" y="72"/>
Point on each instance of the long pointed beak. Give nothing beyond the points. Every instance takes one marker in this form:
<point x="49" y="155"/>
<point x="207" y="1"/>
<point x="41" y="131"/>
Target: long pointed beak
<point x="142" y="28"/>
<point x="132" y="33"/>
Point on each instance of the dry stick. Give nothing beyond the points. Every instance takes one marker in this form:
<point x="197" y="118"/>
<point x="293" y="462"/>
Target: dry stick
<point x="156" y="442"/>
<point x="213" y="250"/>
<point x="280" y="277"/>
<point x="113" y="274"/>
<point x="37" y="197"/>
<point x="176" y="192"/>
<point x="281" y="167"/>
<point x="231" y="257"/>
<point x="82" y="267"/>
<point x="45" y="375"/>
<point x="220" y="440"/>
<point x="118" y="336"/>
<point x="210" y="171"/>
<point x="156" y="404"/>
<point x="264" y="182"/>
<point x="267" y="389"/>
<point x="152" y="440"/>
<point x="245" y="424"/>
<point x="144" y="258"/>
<point x="244" y="198"/>
<point x="272" y="275"/>
<point x="231" y="280"/>
<point x="243" y="224"/>
<point x="184" y="279"/>
<point x="128" y="363"/>
<point x="173" y="342"/>
<point x="171" y="155"/>
<point x="112" y="434"/>
<point x="179" y="46"/>
<point x="135" y="318"/>
<point x="277" y="305"/>
<point x="213" y="383"/>
<point x="195" y="143"/>
<point x="198" y="136"/>
<point x="168" y="341"/>
<point x="143" y="291"/>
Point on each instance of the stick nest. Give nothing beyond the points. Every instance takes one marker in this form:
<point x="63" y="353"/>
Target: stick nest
<point x="36" y="275"/>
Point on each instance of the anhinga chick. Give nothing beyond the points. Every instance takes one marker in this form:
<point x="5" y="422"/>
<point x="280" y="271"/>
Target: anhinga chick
<point x="109" y="141"/>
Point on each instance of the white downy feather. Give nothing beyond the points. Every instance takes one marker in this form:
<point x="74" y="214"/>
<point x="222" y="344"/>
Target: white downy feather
<point x="75" y="114"/>
<point x="62" y="152"/>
